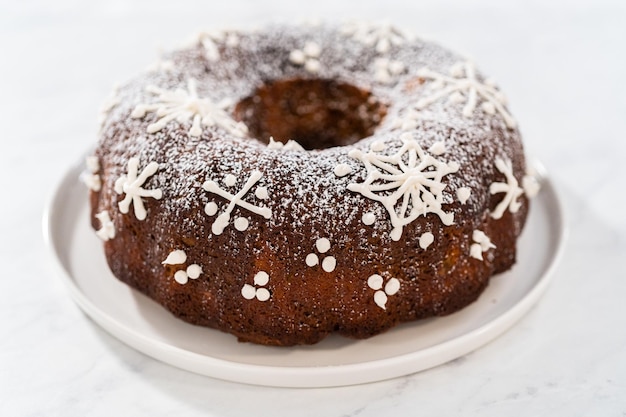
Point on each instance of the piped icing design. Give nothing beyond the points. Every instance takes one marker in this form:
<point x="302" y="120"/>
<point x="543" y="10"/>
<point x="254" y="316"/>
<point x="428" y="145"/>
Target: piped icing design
<point x="481" y="244"/>
<point x="182" y="276"/>
<point x="407" y="178"/>
<point x="258" y="290"/>
<point x="510" y="188"/>
<point x="183" y="105"/>
<point x="131" y="184"/>
<point x="92" y="179"/>
<point x="234" y="200"/>
<point x="328" y="263"/>
<point x="308" y="57"/>
<point x="107" y="228"/>
<point x="382" y="36"/>
<point x="462" y="86"/>
<point x="463" y="194"/>
<point x="381" y="295"/>
<point x="109" y="103"/>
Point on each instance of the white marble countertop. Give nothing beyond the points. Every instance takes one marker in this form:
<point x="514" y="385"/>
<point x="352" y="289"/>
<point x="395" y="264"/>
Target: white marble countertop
<point x="563" y="67"/>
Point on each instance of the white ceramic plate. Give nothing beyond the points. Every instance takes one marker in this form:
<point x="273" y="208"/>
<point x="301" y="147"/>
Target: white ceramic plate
<point x="336" y="361"/>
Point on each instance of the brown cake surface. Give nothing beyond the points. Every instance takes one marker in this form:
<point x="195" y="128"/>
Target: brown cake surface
<point x="404" y="192"/>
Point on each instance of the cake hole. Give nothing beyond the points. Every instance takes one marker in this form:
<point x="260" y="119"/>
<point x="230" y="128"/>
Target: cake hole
<point x="316" y="113"/>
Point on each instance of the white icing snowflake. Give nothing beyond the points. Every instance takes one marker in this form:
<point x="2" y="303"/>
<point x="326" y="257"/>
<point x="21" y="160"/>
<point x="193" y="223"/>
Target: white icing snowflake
<point x="308" y="56"/>
<point x="328" y="263"/>
<point x="181" y="106"/>
<point x="258" y="290"/>
<point x="182" y="276"/>
<point x="382" y="36"/>
<point x="107" y="229"/>
<point x="92" y="179"/>
<point x="481" y="244"/>
<point x="210" y="39"/>
<point x="131" y="185"/>
<point x="407" y="183"/>
<point x="511" y="189"/>
<point x="462" y="86"/>
<point x="223" y="219"/>
<point x="381" y="295"/>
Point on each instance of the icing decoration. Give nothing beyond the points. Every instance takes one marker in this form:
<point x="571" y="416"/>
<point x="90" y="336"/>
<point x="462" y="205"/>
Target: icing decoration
<point x="261" y="193"/>
<point x="261" y="279"/>
<point x="437" y="148"/>
<point x="341" y="170"/>
<point x="176" y="257"/>
<point x="392" y="287"/>
<point x="368" y="219"/>
<point x="131" y="185"/>
<point x="426" y="239"/>
<point x="382" y="36"/>
<point x="182" y="276"/>
<point x="328" y="263"/>
<point x="92" y="180"/>
<point x="482" y="244"/>
<point x="530" y="185"/>
<point x="209" y="40"/>
<point x="408" y="178"/>
<point x="107" y="229"/>
<point x="462" y="86"/>
<point x="291" y="145"/>
<point x="463" y="194"/>
<point x="234" y="200"/>
<point x="230" y="180"/>
<point x="386" y="71"/>
<point x="181" y="106"/>
<point x="510" y="188"/>
<point x="307" y="56"/>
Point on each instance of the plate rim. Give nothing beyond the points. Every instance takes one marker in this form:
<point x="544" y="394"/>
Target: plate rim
<point x="316" y="376"/>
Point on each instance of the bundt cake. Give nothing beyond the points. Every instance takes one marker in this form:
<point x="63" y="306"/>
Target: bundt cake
<point x="291" y="182"/>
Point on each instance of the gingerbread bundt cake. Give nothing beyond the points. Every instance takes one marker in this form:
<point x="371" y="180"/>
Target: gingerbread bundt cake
<point x="288" y="183"/>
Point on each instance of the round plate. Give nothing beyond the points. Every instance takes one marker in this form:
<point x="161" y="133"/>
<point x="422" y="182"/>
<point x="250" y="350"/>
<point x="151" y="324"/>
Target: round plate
<point x="149" y="328"/>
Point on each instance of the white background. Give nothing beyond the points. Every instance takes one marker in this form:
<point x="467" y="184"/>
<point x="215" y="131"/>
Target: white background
<point x="563" y="67"/>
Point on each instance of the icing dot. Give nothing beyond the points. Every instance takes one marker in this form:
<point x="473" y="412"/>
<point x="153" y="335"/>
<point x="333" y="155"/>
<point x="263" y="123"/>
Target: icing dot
<point x="248" y="292"/>
<point x="426" y="239"/>
<point x="230" y="180"/>
<point x="261" y="193"/>
<point x="312" y="49"/>
<point x="241" y="223"/>
<point x="180" y="277"/>
<point x="175" y="257"/>
<point x="93" y="165"/>
<point x="261" y="278"/>
<point x="210" y="208"/>
<point x="463" y="194"/>
<point x="392" y="287"/>
<point x="312" y="259"/>
<point x="378" y="146"/>
<point x="312" y="65"/>
<point x="322" y="245"/>
<point x="329" y="263"/>
<point x="297" y="57"/>
<point x="438" y="148"/>
<point x="342" y="170"/>
<point x="368" y="218"/>
<point x="262" y="294"/>
<point x="476" y="251"/>
<point x="380" y="298"/>
<point x="194" y="271"/>
<point x="375" y="282"/>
